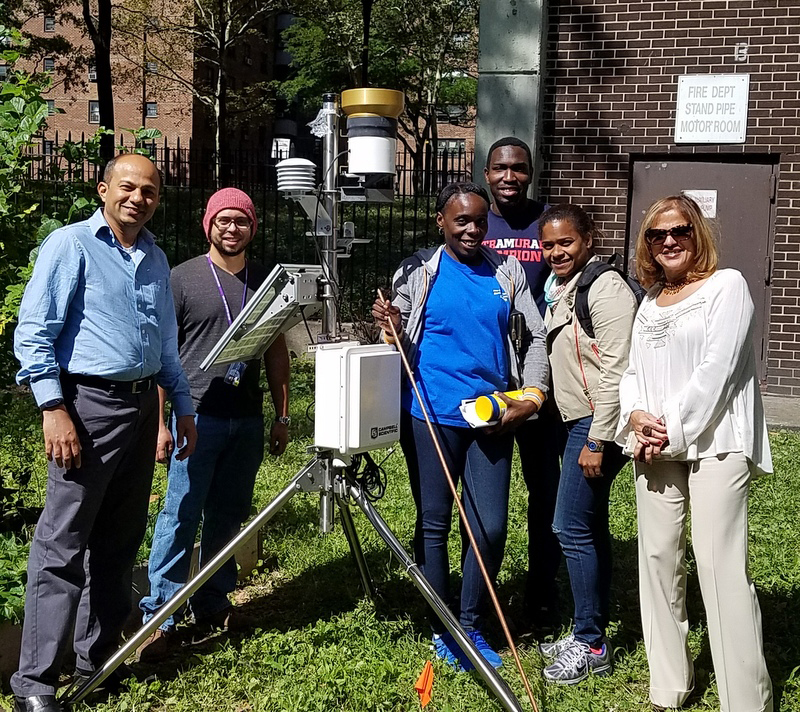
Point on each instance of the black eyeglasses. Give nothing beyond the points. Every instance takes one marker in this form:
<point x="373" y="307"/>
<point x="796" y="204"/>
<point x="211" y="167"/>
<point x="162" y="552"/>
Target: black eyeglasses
<point x="680" y="233"/>
<point x="224" y="223"/>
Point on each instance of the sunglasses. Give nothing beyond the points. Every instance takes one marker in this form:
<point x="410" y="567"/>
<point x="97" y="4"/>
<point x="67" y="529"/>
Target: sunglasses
<point x="680" y="233"/>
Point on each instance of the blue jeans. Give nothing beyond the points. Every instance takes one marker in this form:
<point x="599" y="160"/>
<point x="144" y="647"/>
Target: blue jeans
<point x="483" y="464"/>
<point x="581" y="524"/>
<point x="214" y="485"/>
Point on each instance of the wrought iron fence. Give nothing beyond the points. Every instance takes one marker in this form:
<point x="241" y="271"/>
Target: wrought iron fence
<point x="394" y="230"/>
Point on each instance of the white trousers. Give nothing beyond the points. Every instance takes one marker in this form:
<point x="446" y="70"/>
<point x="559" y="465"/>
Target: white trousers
<point x="717" y="488"/>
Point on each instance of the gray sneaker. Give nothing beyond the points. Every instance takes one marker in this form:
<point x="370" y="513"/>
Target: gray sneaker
<point x="574" y="664"/>
<point x="554" y="649"/>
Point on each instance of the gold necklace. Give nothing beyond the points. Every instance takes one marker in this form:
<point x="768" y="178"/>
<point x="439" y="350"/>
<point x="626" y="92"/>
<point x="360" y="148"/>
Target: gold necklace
<point x="672" y="288"/>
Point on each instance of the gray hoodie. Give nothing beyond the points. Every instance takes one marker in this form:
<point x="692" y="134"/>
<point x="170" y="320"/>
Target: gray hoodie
<point x="411" y="286"/>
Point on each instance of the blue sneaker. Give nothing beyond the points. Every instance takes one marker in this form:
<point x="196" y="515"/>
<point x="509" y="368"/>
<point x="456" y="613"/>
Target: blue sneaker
<point x="484" y="649"/>
<point x="445" y="648"/>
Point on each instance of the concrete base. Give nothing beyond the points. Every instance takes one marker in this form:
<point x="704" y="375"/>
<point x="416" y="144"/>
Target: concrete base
<point x="782" y="412"/>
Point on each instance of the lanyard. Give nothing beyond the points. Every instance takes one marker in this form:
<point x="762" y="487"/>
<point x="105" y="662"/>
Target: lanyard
<point x="222" y="293"/>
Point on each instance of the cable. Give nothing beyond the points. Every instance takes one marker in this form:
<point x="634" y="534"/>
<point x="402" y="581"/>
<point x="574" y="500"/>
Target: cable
<point x="323" y="261"/>
<point x="369" y="475"/>
<point x="308" y="328"/>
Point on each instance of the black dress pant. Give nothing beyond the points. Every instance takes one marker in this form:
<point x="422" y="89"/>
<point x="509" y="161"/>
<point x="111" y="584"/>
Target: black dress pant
<point x="541" y="444"/>
<point x="86" y="540"/>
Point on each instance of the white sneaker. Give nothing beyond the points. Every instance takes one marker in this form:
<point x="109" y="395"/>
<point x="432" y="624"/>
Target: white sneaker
<point x="554" y="649"/>
<point x="576" y="662"/>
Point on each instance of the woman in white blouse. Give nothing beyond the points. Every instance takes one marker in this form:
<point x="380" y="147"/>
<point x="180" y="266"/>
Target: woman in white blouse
<point x="691" y="416"/>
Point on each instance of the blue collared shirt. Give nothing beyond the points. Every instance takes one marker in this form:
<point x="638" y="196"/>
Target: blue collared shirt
<point x="91" y="308"/>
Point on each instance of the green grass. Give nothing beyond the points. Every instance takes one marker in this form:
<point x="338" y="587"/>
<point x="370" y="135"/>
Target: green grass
<point x="321" y="646"/>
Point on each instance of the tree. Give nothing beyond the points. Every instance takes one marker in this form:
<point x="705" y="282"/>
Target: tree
<point x="192" y="47"/>
<point x="425" y="48"/>
<point x="94" y="19"/>
<point x="98" y="27"/>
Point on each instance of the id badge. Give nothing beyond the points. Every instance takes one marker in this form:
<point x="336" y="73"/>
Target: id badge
<point x="235" y="373"/>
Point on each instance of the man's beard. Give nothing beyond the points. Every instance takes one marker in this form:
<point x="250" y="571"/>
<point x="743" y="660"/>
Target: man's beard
<point x="227" y="251"/>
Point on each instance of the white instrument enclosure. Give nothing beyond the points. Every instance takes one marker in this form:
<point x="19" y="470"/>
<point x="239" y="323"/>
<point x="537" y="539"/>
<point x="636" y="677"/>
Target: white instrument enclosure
<point x="357" y="397"/>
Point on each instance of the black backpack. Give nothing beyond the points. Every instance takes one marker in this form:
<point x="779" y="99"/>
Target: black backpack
<point x="590" y="273"/>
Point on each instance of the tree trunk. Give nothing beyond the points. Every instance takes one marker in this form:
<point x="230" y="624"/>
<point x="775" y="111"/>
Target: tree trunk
<point x="222" y="172"/>
<point x="366" y="11"/>
<point x="441" y="179"/>
<point x="221" y="101"/>
<point x="99" y="30"/>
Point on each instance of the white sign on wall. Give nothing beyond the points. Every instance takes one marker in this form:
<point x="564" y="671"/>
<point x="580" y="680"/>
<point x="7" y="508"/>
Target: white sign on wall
<point x="705" y="199"/>
<point x="712" y="108"/>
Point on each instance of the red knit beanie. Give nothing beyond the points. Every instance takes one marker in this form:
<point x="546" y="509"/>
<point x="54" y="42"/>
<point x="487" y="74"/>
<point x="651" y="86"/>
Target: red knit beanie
<point x="225" y="199"/>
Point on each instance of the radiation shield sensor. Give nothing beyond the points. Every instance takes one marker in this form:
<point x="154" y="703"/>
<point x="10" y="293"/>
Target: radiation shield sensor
<point x="279" y="303"/>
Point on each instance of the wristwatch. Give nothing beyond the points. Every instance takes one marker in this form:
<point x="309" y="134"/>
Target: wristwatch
<point x="595" y="445"/>
<point x="51" y="403"/>
<point x="284" y="420"/>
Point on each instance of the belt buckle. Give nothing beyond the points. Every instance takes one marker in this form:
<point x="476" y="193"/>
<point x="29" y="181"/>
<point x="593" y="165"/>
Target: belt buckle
<point x="136" y="386"/>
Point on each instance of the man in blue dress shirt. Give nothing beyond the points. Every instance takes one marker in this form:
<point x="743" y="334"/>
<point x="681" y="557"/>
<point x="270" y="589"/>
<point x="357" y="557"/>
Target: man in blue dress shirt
<point x="96" y="334"/>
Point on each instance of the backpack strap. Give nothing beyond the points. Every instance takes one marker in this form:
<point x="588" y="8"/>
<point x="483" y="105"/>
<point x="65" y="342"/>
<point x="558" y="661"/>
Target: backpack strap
<point x="590" y="273"/>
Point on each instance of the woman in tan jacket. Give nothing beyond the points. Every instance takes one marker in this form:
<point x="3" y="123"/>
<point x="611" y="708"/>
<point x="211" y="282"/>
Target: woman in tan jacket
<point x="587" y="359"/>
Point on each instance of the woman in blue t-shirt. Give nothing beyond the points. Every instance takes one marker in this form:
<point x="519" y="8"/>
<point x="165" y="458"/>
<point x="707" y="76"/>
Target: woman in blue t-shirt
<point x="450" y="308"/>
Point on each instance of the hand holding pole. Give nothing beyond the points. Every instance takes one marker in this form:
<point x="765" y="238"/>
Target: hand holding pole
<point x="461" y="512"/>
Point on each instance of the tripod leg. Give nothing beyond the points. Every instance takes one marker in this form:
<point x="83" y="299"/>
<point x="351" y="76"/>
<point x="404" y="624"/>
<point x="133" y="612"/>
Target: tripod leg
<point x="490" y="676"/>
<point x="355" y="548"/>
<point x="185" y="592"/>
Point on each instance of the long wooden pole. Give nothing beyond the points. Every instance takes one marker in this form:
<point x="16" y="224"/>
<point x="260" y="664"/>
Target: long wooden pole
<point x="461" y="511"/>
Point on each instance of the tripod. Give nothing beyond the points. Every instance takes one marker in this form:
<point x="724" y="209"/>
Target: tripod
<point x="333" y="486"/>
<point x="326" y="474"/>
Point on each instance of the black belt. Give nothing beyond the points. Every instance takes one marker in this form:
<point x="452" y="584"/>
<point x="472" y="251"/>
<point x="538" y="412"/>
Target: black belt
<point x="143" y="385"/>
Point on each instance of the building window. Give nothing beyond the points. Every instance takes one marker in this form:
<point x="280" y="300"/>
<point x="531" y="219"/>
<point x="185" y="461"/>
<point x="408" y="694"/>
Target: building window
<point x="48" y="148"/>
<point x="92" y="73"/>
<point x="281" y="148"/>
<point x="151" y="109"/>
<point x="49" y="64"/>
<point x="51" y="107"/>
<point x="452" y="146"/>
<point x="94" y="112"/>
<point x="49" y="23"/>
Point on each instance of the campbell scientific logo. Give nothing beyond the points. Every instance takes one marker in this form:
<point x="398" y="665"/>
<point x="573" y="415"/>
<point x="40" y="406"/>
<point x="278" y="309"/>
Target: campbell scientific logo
<point x="384" y="430"/>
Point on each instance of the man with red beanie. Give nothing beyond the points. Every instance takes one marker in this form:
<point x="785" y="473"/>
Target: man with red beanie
<point x="215" y="484"/>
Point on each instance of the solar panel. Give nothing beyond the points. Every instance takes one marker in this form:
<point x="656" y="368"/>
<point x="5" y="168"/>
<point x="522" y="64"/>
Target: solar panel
<point x="288" y="293"/>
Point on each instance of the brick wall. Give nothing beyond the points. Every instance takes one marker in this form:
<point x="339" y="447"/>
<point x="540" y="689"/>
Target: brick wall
<point x="610" y="92"/>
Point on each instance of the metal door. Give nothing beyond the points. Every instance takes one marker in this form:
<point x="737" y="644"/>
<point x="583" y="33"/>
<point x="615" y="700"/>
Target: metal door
<point x="742" y="196"/>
